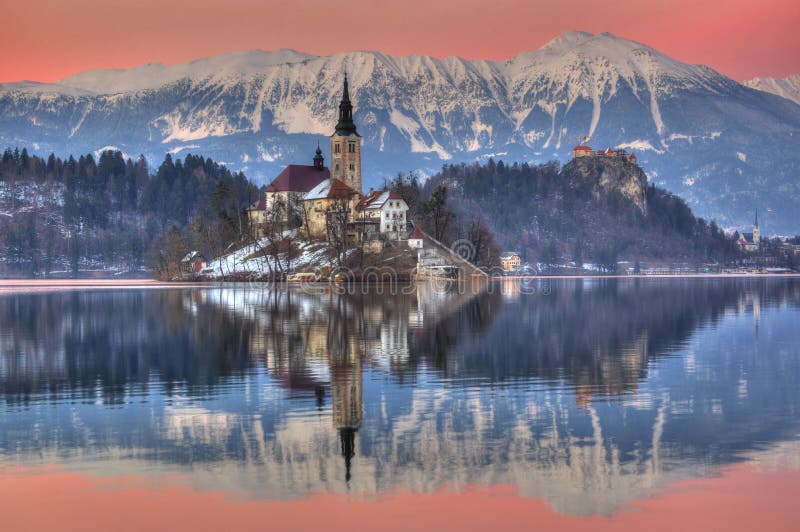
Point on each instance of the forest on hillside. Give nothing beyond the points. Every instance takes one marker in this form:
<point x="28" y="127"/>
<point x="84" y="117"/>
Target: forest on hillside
<point x="69" y="215"/>
<point x="554" y="215"/>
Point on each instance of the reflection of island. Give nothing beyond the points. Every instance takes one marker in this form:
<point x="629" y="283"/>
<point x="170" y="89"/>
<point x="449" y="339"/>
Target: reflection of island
<point x="286" y="393"/>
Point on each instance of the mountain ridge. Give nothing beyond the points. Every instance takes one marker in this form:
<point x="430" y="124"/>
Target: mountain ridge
<point x="788" y="87"/>
<point x="725" y="147"/>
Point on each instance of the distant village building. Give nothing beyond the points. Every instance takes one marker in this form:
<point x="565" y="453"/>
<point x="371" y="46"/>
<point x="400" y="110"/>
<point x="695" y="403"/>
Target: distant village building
<point x="510" y="261"/>
<point x="750" y="242"/>
<point x="582" y="151"/>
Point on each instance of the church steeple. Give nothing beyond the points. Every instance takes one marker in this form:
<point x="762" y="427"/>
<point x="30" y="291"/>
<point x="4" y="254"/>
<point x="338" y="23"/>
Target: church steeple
<point x="756" y="230"/>
<point x="346" y="144"/>
<point x="345" y="126"/>
<point x="319" y="160"/>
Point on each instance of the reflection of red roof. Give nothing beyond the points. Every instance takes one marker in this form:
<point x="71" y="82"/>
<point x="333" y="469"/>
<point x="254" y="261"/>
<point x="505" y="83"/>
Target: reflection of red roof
<point x="417" y="233"/>
<point x="581" y="148"/>
<point x="260" y="204"/>
<point x="298" y="178"/>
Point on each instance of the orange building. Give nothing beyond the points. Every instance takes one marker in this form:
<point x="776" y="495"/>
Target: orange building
<point x="510" y="261"/>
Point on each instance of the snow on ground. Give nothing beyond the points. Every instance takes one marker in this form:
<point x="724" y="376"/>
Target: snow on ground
<point x="310" y="254"/>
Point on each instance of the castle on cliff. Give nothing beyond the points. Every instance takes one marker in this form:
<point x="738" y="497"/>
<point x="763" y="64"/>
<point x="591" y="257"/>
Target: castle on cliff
<point x="583" y="150"/>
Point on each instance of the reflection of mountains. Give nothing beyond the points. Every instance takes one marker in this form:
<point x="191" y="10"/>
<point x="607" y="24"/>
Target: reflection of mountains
<point x="599" y="335"/>
<point x="382" y="390"/>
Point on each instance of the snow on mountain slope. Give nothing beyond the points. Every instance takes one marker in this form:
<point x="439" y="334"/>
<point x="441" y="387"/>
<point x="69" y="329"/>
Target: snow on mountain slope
<point x="788" y="87"/>
<point x="258" y="111"/>
<point x="154" y="75"/>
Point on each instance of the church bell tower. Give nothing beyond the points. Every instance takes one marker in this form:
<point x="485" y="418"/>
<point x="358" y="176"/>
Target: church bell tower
<point x="756" y="230"/>
<point x="346" y="145"/>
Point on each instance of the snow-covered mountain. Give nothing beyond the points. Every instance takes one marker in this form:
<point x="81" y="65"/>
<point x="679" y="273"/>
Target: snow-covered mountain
<point x="788" y="87"/>
<point x="727" y="148"/>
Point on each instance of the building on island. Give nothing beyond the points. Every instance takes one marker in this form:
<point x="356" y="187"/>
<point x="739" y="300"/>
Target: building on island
<point x="750" y="242"/>
<point x="381" y="212"/>
<point x="281" y="199"/>
<point x="321" y="199"/>
<point x="510" y="261"/>
<point x="416" y="239"/>
<point x="332" y="203"/>
<point x="194" y="262"/>
<point x="346" y="145"/>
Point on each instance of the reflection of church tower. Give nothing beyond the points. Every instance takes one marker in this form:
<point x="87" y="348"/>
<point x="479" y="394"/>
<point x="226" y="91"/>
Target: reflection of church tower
<point x="347" y="407"/>
<point x="346" y="145"/>
<point x="756" y="305"/>
<point x="346" y="382"/>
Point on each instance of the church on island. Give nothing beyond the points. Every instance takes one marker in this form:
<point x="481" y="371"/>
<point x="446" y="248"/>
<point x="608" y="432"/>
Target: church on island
<point x="750" y="241"/>
<point x="327" y="202"/>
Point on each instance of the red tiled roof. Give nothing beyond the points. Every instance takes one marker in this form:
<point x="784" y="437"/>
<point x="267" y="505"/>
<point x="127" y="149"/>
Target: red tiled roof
<point x="581" y="148"/>
<point x="331" y="188"/>
<point x="417" y="233"/>
<point x="260" y="204"/>
<point x="339" y="189"/>
<point x="298" y="178"/>
<point x="375" y="199"/>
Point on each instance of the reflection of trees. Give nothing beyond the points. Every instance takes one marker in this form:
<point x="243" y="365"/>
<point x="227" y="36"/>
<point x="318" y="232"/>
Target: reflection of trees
<point x="349" y="415"/>
<point x="599" y="334"/>
<point x="78" y="343"/>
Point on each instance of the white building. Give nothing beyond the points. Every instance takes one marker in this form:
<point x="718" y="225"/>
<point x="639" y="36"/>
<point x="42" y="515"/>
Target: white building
<point x="384" y="212"/>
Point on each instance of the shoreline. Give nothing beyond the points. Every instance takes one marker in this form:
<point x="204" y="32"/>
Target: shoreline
<point x="11" y="285"/>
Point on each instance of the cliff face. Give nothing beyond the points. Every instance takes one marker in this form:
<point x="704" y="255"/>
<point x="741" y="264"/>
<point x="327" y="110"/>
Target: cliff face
<point x="609" y="174"/>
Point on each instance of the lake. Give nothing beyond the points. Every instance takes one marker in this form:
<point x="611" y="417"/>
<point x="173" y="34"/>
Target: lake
<point x="584" y="404"/>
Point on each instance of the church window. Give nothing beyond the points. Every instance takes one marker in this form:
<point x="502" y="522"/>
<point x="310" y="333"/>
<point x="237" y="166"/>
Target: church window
<point x="352" y="167"/>
<point x="337" y="165"/>
<point x="351" y="147"/>
<point x="337" y="148"/>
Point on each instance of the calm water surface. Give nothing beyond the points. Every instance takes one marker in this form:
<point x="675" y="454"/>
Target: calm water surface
<point x="574" y="400"/>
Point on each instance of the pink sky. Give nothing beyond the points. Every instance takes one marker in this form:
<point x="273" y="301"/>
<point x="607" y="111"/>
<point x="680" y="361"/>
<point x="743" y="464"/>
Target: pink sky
<point x="44" y="40"/>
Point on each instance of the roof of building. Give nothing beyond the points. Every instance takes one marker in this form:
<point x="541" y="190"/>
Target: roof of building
<point x="376" y="199"/>
<point x="346" y="127"/>
<point x="193" y="255"/>
<point x="298" y="178"/>
<point x="581" y="147"/>
<point x="416" y="234"/>
<point x="260" y="204"/>
<point x="330" y="189"/>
